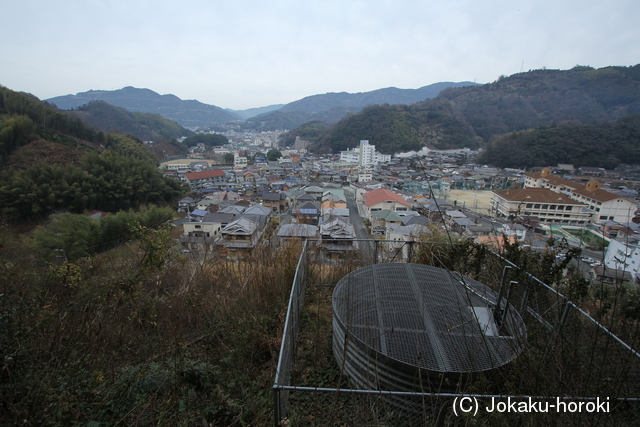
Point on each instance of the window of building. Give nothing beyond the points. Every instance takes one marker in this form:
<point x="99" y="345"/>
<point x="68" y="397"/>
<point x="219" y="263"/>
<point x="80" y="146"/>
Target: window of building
<point x="536" y="206"/>
<point x="552" y="207"/>
<point x="529" y="205"/>
<point x="603" y="217"/>
<point x="545" y="206"/>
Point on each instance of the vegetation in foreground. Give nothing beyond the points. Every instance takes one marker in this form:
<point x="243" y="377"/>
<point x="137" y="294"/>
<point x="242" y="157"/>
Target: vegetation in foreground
<point x="139" y="335"/>
<point x="144" y="335"/>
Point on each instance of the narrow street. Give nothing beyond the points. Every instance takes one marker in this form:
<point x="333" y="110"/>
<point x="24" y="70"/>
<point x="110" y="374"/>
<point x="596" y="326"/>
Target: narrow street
<point x="355" y="218"/>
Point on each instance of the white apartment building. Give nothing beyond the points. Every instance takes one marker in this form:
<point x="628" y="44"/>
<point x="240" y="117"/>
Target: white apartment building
<point x="620" y="256"/>
<point x="239" y="162"/>
<point x="364" y="155"/>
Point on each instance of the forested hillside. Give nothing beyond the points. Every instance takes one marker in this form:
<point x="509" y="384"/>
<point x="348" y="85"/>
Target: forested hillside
<point x="24" y="118"/>
<point x="309" y="131"/>
<point x="396" y="128"/>
<point x="603" y="144"/>
<point x="53" y="162"/>
<point x="208" y="139"/>
<point x="471" y="116"/>
<point x="145" y="126"/>
<point x="277" y="120"/>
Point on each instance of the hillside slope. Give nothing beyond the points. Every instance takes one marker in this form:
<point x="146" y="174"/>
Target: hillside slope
<point x="471" y="116"/>
<point x="145" y="126"/>
<point x="52" y="162"/>
<point x="189" y="113"/>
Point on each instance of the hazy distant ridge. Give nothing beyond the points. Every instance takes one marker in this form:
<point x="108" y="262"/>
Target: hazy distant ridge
<point x="189" y="113"/>
<point x="252" y="112"/>
<point x="192" y="113"/>
<point x="357" y="101"/>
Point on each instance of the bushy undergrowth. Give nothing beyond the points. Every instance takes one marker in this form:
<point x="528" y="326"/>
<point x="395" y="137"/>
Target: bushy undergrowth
<point x="139" y="336"/>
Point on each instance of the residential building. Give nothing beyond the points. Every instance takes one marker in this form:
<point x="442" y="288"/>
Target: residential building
<point x="381" y="199"/>
<point x="332" y="201"/>
<point x="301" y="232"/>
<point x="315" y="191"/>
<point x="205" y="179"/>
<point x="398" y="235"/>
<point x="623" y="257"/>
<point x="517" y="230"/>
<point x="199" y="235"/>
<point x="277" y="202"/>
<point x="186" y="204"/>
<point x="239" y="162"/>
<point x="307" y="212"/>
<point x="242" y="234"/>
<point x="329" y="214"/>
<point x="338" y="236"/>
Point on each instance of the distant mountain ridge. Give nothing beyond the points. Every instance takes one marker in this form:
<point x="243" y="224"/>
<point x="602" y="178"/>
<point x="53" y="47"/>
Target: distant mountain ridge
<point x="190" y="113"/>
<point x="252" y="112"/>
<point x="332" y="107"/>
<point x="357" y="101"/>
<point x="500" y="115"/>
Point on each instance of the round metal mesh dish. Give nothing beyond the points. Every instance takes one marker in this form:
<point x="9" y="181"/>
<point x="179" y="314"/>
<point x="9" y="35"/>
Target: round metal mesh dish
<point x="395" y="318"/>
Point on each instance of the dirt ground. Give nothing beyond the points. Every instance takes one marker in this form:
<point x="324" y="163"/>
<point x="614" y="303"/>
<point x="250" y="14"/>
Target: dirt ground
<point x="479" y="201"/>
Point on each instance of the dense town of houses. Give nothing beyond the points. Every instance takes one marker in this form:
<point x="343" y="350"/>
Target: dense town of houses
<point x="361" y="194"/>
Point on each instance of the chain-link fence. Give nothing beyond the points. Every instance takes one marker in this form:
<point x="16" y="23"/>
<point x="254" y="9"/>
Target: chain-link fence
<point x="569" y="357"/>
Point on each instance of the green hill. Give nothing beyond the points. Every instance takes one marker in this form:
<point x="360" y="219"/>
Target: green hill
<point x="53" y="162"/>
<point x="471" y="116"/>
<point x="145" y="126"/>
<point x="597" y="144"/>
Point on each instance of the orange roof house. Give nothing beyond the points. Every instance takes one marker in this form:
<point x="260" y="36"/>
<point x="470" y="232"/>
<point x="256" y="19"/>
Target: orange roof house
<point x="198" y="180"/>
<point x="380" y="199"/>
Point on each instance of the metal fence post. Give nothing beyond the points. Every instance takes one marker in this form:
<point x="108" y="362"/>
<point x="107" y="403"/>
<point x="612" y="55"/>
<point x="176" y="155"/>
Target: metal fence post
<point x="375" y="251"/>
<point x="277" y="414"/>
<point x="523" y="302"/>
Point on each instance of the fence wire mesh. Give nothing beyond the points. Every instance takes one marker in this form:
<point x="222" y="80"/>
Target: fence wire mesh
<point x="568" y="355"/>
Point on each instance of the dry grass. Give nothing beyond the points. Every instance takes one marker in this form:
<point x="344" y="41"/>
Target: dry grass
<point x="106" y="341"/>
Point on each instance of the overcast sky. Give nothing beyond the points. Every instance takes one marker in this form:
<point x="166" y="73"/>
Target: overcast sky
<point x="242" y="54"/>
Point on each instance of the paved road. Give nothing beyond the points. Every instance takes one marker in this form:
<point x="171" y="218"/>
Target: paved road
<point x="356" y="219"/>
